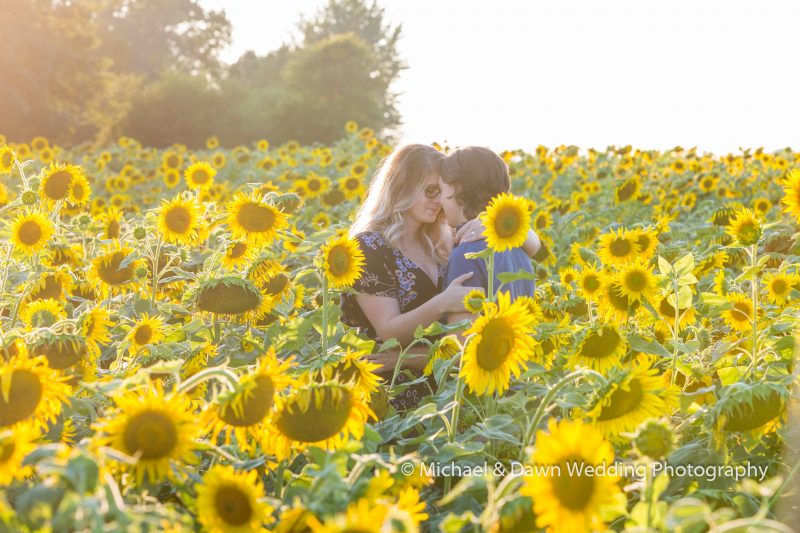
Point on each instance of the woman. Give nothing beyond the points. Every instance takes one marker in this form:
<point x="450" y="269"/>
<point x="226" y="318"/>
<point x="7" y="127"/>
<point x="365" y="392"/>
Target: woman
<point x="406" y="243"/>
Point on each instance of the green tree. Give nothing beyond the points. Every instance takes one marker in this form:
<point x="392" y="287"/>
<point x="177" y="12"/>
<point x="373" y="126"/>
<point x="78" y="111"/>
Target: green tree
<point x="365" y="20"/>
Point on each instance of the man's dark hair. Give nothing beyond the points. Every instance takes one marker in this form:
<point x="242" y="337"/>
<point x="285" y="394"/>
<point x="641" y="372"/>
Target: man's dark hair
<point x="477" y="174"/>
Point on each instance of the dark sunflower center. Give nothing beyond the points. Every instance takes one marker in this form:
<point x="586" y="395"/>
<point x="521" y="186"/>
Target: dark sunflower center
<point x="643" y="241"/>
<point x="541" y="222"/>
<point x="173" y="161"/>
<point x="780" y="287"/>
<point x="626" y="191"/>
<point x="573" y="491"/>
<point x="598" y="346"/>
<point x="237" y="250"/>
<point x="143" y="334"/>
<point x="507" y="222"/>
<point x="620" y="247"/>
<point x="178" y="219"/>
<point x="152" y="433"/>
<point x="618" y="300"/>
<point x="24" y="396"/>
<point x="227" y="299"/>
<point x="232" y="506"/>
<point x="321" y="420"/>
<point x="62" y="353"/>
<point x="351" y="184"/>
<point x="742" y="310"/>
<point x="591" y="283"/>
<point x="8" y="159"/>
<point x="497" y="340"/>
<point x="112" y="230"/>
<point x="636" y="281"/>
<point x="277" y="284"/>
<point x="256" y="404"/>
<point x="622" y="402"/>
<point x="256" y="218"/>
<point x="314" y="185"/>
<point x="339" y="260"/>
<point x="110" y="271"/>
<point x="7" y="450"/>
<point x="57" y="185"/>
<point x="200" y="176"/>
<point x="30" y="232"/>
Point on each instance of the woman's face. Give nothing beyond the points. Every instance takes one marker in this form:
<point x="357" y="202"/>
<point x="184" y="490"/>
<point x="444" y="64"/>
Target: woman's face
<point x="426" y="208"/>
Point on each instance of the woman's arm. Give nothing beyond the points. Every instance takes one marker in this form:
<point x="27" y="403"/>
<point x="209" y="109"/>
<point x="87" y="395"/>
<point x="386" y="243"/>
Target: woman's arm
<point x="385" y="316"/>
<point x="532" y="244"/>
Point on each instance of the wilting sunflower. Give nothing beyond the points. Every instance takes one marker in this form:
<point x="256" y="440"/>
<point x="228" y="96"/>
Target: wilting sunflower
<point x="147" y="330"/>
<point x="565" y="497"/>
<point x="740" y="316"/>
<point x="253" y="219"/>
<point x="108" y="272"/>
<point x="231" y="502"/>
<point x="634" y="396"/>
<point x="353" y="369"/>
<point x="156" y="429"/>
<point x="323" y="415"/>
<point x="507" y="221"/>
<point x="636" y="282"/>
<point x="501" y="344"/>
<point x="14" y="447"/>
<point x="64" y="182"/>
<point x="30" y="392"/>
<point x="779" y="286"/>
<point x="30" y="231"/>
<point x="745" y="228"/>
<point x="342" y="260"/>
<point x="94" y="326"/>
<point x="245" y="412"/>
<point x="179" y="220"/>
<point x="791" y="190"/>
<point x="618" y="247"/>
<point x="200" y="175"/>
<point x="231" y="295"/>
<point x="42" y="313"/>
<point x="55" y="284"/>
<point x="600" y="349"/>
<point x="756" y="408"/>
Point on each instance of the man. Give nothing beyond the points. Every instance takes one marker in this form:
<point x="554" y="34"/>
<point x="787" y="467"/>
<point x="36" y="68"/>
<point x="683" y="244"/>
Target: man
<point x="469" y="178"/>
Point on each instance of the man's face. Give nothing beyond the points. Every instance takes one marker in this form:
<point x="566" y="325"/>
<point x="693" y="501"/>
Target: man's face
<point x="452" y="211"/>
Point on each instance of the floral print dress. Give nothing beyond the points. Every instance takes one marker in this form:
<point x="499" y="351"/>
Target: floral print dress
<point x="387" y="272"/>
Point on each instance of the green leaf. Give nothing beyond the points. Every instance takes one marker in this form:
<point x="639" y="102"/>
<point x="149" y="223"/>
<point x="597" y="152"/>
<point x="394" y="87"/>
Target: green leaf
<point x="712" y="299"/>
<point x="664" y="267"/>
<point x="508" y="277"/>
<point x="483" y="254"/>
<point x="731" y="374"/>
<point x="685" y="264"/>
<point x="687" y="279"/>
<point x="640" y="344"/>
<point x="684" y="297"/>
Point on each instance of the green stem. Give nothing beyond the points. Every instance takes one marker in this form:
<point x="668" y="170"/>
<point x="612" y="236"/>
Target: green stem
<point x="676" y="323"/>
<point x="279" y="479"/>
<point x="537" y="417"/>
<point x="454" y="416"/>
<point x="215" y="372"/>
<point x="155" y="273"/>
<point x="775" y="497"/>
<point x="6" y="268"/>
<point x="490" y="268"/>
<point x="754" y="288"/>
<point x="325" y="298"/>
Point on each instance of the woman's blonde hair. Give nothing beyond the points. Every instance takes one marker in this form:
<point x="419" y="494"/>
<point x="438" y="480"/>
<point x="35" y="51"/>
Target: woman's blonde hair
<point x="398" y="182"/>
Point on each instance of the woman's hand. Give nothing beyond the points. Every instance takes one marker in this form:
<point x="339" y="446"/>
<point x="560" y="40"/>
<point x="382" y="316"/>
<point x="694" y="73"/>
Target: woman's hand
<point x="451" y="299"/>
<point x="471" y="231"/>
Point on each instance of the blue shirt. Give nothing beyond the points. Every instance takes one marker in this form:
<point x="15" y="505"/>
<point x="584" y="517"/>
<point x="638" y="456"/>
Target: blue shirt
<point x="512" y="260"/>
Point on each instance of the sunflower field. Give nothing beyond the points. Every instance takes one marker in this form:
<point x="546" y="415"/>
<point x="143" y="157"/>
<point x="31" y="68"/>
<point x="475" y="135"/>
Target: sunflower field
<point x="173" y="359"/>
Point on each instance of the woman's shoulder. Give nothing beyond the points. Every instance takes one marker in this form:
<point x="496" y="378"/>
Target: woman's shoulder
<point x="370" y="239"/>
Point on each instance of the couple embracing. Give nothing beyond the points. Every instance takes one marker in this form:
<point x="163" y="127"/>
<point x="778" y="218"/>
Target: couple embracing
<point x="415" y="227"/>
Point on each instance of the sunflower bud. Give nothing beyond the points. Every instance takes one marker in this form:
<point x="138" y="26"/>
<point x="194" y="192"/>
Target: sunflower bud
<point x="139" y="233"/>
<point x="29" y="198"/>
<point x="655" y="439"/>
<point x="141" y="272"/>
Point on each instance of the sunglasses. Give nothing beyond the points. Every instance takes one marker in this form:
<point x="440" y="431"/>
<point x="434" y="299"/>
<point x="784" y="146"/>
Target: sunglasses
<point x="432" y="191"/>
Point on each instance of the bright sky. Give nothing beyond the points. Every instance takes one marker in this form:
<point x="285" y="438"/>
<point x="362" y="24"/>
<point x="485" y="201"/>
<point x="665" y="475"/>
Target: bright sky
<point x="716" y="74"/>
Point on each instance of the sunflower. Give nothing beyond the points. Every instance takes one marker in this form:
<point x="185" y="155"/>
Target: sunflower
<point x="245" y="412"/>
<point x="507" y="221"/>
<point x="30" y="392"/>
<point x="342" y="261"/>
<point x="172" y="178"/>
<point x="363" y="516"/>
<point x="618" y="247"/>
<point x="14" y="447"/>
<point x="791" y="197"/>
<point x="147" y="330"/>
<point x="113" y="270"/>
<point x="638" y="394"/>
<point x="779" y="286"/>
<point x="353" y="369"/>
<point x="321" y="220"/>
<point x="568" y="275"/>
<point x="601" y="348"/>
<point x="325" y="415"/>
<point x="628" y="190"/>
<point x="30" y="231"/>
<point x="614" y="306"/>
<point x="43" y="313"/>
<point x="316" y="185"/>
<point x="179" y="220"/>
<point x="590" y="282"/>
<point x="757" y="408"/>
<point x="7" y="159"/>
<point x="352" y="187"/>
<point x="647" y="240"/>
<point x="111" y="221"/>
<point x="762" y="206"/>
<point x="199" y="175"/>
<point x="565" y="497"/>
<point x="154" y="428"/>
<point x="94" y="326"/>
<point x="636" y="282"/>
<point x="443" y="349"/>
<point x="230" y="501"/>
<point x="740" y="315"/>
<point x="172" y="160"/>
<point x="351" y="126"/>
<point x="745" y="228"/>
<point x="64" y="182"/>
<point x="501" y="344"/>
<point x="473" y="300"/>
<point x="231" y="295"/>
<point x="55" y="284"/>
<point x="253" y="219"/>
<point x="239" y="254"/>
